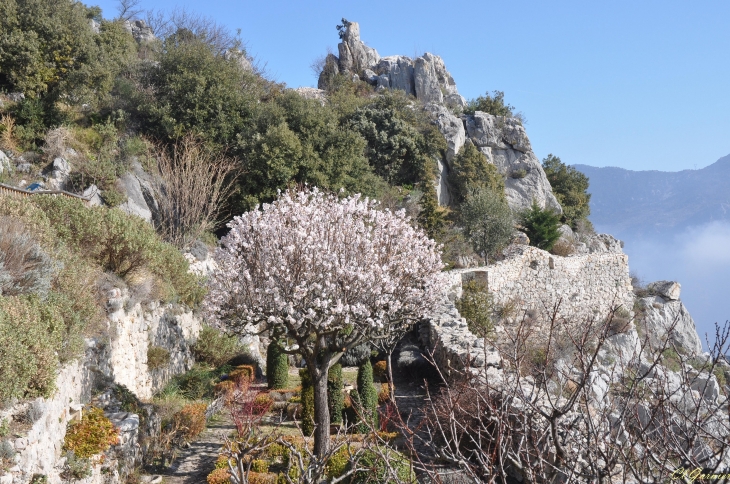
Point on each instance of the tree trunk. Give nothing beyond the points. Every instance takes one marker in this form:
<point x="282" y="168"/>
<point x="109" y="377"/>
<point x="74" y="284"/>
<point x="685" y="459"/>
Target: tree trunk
<point x="321" y="411"/>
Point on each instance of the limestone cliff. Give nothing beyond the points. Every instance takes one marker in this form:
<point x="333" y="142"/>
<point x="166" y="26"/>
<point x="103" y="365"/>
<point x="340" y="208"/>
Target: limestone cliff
<point x="502" y="140"/>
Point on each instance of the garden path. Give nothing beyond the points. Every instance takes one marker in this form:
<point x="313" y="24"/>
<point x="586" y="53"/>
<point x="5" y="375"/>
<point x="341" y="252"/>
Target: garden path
<point x="197" y="461"/>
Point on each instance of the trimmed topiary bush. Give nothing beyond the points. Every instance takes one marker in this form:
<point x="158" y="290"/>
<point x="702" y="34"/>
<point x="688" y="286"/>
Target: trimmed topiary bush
<point x="355" y="356"/>
<point x="335" y="397"/>
<point x="307" y="402"/>
<point x="277" y="366"/>
<point x="368" y="397"/>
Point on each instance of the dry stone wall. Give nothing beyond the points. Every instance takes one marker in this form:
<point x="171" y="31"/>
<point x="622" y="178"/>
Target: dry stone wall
<point x="121" y="358"/>
<point x="587" y="286"/>
<point x="531" y="278"/>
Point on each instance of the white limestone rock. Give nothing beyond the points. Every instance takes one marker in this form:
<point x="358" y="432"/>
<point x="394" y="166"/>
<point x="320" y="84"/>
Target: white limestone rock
<point x="396" y="72"/>
<point x="240" y="57"/>
<point x="505" y="144"/>
<point x="136" y="203"/>
<point x="141" y="32"/>
<point x="451" y="127"/>
<point x="312" y="93"/>
<point x="6" y="165"/>
<point x="660" y="315"/>
<point x="431" y="79"/>
<point x="667" y="289"/>
<point x="60" y="171"/>
<point x="442" y="187"/>
<point x="354" y="54"/>
<point x="93" y="194"/>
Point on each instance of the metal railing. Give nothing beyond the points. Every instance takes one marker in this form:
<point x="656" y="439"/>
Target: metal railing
<point x="19" y="192"/>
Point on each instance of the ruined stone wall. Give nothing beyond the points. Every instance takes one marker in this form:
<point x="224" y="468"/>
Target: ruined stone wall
<point x="585" y="285"/>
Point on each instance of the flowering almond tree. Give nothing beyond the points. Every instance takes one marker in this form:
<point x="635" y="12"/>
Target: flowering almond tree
<point x="327" y="273"/>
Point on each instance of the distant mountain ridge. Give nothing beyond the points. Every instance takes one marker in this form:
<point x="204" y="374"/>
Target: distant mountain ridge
<point x="647" y="203"/>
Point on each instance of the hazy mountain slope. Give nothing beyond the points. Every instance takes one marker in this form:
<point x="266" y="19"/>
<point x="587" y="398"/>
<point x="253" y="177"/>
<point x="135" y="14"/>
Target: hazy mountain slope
<point x="653" y="202"/>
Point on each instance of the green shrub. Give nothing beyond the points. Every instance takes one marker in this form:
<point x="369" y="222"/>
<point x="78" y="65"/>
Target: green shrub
<point x="541" y="226"/>
<point x="368" y="397"/>
<point x="570" y="188"/>
<point x="123" y="244"/>
<point x="30" y="333"/>
<point x="157" y="357"/>
<point x="335" y="397"/>
<point x="90" y="436"/>
<point x="307" y="402"/>
<point x="470" y="169"/>
<point x="337" y="464"/>
<point x="195" y="384"/>
<point x="377" y="467"/>
<point x="487" y="220"/>
<point x="357" y="355"/>
<point x="277" y="366"/>
<point x="76" y="468"/>
<point x="215" y="347"/>
<point x="493" y="105"/>
<point x="476" y="306"/>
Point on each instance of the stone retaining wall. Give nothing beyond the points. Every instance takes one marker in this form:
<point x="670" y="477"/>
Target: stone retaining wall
<point x="121" y="358"/>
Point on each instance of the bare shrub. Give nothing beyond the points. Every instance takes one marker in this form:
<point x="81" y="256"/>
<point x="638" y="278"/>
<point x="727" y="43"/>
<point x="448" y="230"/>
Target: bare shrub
<point x="7" y="133"/>
<point x="24" y="267"/>
<point x="192" y="185"/>
<point x="56" y="142"/>
<point x="584" y="413"/>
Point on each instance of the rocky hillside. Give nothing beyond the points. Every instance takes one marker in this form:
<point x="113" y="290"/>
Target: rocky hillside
<point x="656" y="202"/>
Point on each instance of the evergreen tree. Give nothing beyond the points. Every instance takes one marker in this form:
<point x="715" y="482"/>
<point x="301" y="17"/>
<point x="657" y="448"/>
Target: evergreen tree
<point x="336" y="399"/>
<point x="277" y="366"/>
<point x="368" y="397"/>
<point x="541" y="226"/>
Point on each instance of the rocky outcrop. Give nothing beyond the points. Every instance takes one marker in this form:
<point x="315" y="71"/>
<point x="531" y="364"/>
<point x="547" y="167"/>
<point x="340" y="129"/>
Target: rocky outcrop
<point x="58" y="175"/>
<point x="669" y="290"/>
<point x="355" y="56"/>
<point x="138" y="187"/>
<point x="450" y="126"/>
<point x="239" y="57"/>
<point x="141" y="32"/>
<point x="505" y="144"/>
<point x="5" y="164"/>
<point x="312" y="93"/>
<point x="669" y="317"/>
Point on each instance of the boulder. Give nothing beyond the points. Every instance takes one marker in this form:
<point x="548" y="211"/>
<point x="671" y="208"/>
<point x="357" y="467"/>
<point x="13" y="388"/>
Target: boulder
<point x="707" y="386"/>
<point x="60" y="170"/>
<point x="92" y="193"/>
<point x="659" y="316"/>
<point x="312" y="93"/>
<point x="136" y="203"/>
<point x="450" y="126"/>
<point x="355" y="56"/>
<point x="667" y="289"/>
<point x="598" y="244"/>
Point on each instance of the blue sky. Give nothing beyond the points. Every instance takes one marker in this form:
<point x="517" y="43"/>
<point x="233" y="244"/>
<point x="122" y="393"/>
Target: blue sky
<point x="640" y="85"/>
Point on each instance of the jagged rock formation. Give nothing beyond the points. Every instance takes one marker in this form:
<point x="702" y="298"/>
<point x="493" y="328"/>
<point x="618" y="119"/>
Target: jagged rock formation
<point x="141" y="32"/>
<point x="505" y="144"/>
<point x="502" y="140"/>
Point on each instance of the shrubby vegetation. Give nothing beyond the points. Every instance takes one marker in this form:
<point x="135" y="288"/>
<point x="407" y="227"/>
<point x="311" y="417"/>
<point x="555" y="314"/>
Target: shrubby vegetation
<point x="571" y="189"/>
<point x="541" y="226"/>
<point x="493" y="104"/>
